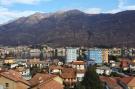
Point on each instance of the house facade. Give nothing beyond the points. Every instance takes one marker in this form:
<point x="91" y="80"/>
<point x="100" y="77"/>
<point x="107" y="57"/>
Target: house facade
<point x="80" y="67"/>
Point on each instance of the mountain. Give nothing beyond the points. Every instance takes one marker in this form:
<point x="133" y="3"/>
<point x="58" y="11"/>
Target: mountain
<point x="71" y="28"/>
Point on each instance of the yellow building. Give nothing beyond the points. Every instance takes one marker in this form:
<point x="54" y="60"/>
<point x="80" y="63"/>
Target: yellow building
<point x="13" y="80"/>
<point x="105" y="53"/>
<point x="133" y="60"/>
<point x="9" y="60"/>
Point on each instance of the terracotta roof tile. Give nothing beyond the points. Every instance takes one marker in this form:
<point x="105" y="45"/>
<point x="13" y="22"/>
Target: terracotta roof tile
<point x="78" y="62"/>
<point x="51" y="84"/>
<point x="126" y="80"/>
<point x="15" y="76"/>
<point x="111" y="82"/>
<point x="132" y="82"/>
<point x="68" y="73"/>
<point x="52" y="67"/>
<point x="39" y="78"/>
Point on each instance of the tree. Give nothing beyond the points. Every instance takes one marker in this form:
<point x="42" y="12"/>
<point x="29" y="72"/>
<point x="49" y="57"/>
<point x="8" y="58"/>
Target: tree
<point x="41" y="55"/>
<point x="91" y="79"/>
<point x="79" y="86"/>
<point x="80" y="58"/>
<point x="113" y="58"/>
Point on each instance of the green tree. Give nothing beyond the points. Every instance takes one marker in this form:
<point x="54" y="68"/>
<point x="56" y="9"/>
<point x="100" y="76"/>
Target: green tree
<point x="41" y="55"/>
<point x="91" y="79"/>
<point x="79" y="86"/>
<point x="115" y="58"/>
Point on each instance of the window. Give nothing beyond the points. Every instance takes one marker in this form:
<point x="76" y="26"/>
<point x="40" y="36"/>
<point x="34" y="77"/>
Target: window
<point x="7" y="84"/>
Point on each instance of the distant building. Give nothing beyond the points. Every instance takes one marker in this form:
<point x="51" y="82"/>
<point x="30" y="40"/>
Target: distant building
<point x="37" y="63"/>
<point x="35" y="52"/>
<point x="132" y="66"/>
<point x="69" y="77"/>
<point x="133" y="52"/>
<point x="80" y="67"/>
<point x="95" y="54"/>
<point x="61" y="51"/>
<point x="98" y="55"/>
<point x="124" y="64"/>
<point x="9" y="60"/>
<point x="105" y="53"/>
<point x="128" y="52"/>
<point x="112" y="63"/>
<point x="25" y="72"/>
<point x="71" y="54"/>
<point x="115" y="52"/>
<point x="103" y="70"/>
<point x="53" y="69"/>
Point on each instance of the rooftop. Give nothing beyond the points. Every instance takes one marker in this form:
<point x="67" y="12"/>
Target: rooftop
<point x="14" y="76"/>
<point x="40" y="78"/>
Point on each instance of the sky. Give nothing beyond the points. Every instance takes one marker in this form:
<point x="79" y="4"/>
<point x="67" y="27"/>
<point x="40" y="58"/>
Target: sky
<point x="13" y="9"/>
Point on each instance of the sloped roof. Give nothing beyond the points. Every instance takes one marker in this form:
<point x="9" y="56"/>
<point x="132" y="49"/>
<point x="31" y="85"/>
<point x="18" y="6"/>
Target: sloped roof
<point x="68" y="73"/>
<point x="51" y="84"/>
<point x="14" y="76"/>
<point x="111" y="82"/>
<point x="78" y="62"/>
<point x="40" y="78"/>
<point x="132" y="82"/>
<point x="52" y="67"/>
<point x="126" y="80"/>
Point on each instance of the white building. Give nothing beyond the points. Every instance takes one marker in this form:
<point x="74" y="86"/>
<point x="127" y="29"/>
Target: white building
<point x="35" y="52"/>
<point x="112" y="63"/>
<point x="71" y="54"/>
<point x="132" y="66"/>
<point x="103" y="70"/>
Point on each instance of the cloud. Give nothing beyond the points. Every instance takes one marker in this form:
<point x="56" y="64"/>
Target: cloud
<point x="7" y="14"/>
<point x="122" y="7"/>
<point x="93" y="10"/>
<point x="10" y="2"/>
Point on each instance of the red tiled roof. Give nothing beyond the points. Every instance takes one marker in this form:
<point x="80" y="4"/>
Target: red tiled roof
<point x="52" y="67"/>
<point x="50" y="84"/>
<point x="14" y="76"/>
<point x="132" y="82"/>
<point x="39" y="78"/>
<point x="68" y="73"/>
<point x="124" y="63"/>
<point x="78" y="62"/>
<point x="126" y="80"/>
<point x="111" y="82"/>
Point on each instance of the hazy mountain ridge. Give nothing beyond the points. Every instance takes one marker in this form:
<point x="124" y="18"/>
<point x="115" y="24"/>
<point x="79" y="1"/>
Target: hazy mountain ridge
<point x="71" y="28"/>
